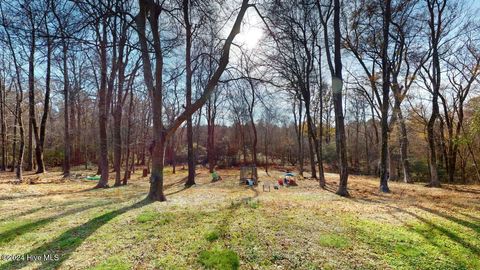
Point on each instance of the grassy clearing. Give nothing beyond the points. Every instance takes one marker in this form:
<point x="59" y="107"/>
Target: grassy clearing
<point x="225" y="226"/>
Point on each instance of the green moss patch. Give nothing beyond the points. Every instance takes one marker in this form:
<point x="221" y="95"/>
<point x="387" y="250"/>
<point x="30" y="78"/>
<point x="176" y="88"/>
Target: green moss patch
<point x="219" y="259"/>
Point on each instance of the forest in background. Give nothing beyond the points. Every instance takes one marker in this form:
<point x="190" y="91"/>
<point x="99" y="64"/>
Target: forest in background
<point x="387" y="88"/>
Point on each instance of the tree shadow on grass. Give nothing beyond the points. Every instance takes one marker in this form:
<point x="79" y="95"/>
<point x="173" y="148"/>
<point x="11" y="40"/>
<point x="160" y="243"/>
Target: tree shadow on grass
<point x="462" y="222"/>
<point x="419" y="248"/>
<point x="65" y="244"/>
<point x="451" y="235"/>
<point x="36" y="209"/>
<point x="462" y="189"/>
<point x="11" y="234"/>
<point x="8" y="198"/>
<point x="23" y="213"/>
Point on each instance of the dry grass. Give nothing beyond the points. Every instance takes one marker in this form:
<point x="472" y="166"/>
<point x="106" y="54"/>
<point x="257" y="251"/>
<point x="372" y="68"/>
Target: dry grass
<point x="301" y="227"/>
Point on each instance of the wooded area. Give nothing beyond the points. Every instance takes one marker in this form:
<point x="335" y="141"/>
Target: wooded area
<point x="125" y="82"/>
<point x="324" y="89"/>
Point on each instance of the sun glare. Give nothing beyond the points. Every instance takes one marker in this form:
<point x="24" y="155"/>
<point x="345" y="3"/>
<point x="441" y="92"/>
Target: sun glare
<point x="250" y="36"/>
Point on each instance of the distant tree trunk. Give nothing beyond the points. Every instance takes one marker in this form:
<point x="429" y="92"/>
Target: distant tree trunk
<point x="128" y="170"/>
<point x="266" y="143"/>
<point x="407" y="178"/>
<point x="252" y="123"/>
<point x="3" y="91"/>
<point x="14" y="144"/>
<point x="21" y="150"/>
<point x="211" y="113"/>
<point x="312" y="157"/>
<point x="299" y="133"/>
<point x="356" y="162"/>
<point x="244" y="144"/>
<point x="367" y="147"/>
<point x="117" y="144"/>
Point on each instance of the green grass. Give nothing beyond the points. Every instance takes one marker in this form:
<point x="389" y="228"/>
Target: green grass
<point x="219" y="259"/>
<point x="430" y="244"/>
<point x="212" y="236"/>
<point x="113" y="263"/>
<point x="334" y="241"/>
<point x="157" y="217"/>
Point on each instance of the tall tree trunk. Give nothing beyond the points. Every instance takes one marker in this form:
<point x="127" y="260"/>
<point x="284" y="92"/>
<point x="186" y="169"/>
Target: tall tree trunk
<point x="32" y="124"/>
<point x="337" y="86"/>
<point x="384" y="175"/>
<point x="435" y="32"/>
<point x="46" y="107"/>
<point x="102" y="111"/>
<point x="188" y="88"/>
<point x="66" y="118"/>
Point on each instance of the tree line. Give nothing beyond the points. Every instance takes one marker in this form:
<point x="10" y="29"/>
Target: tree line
<point x="386" y="88"/>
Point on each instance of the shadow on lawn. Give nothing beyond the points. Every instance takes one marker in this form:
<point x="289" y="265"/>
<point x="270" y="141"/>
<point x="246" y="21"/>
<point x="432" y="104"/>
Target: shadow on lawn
<point x="9" y="235"/>
<point x="5" y="198"/>
<point x="65" y="244"/>
<point x="465" y="223"/>
<point x="462" y="189"/>
<point x="24" y="213"/>
<point x="451" y="235"/>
